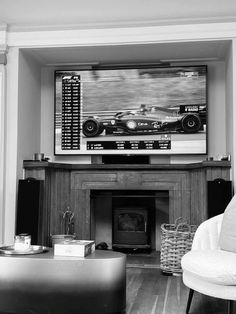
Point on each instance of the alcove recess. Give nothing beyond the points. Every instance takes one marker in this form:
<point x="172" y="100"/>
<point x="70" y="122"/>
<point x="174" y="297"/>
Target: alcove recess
<point x="71" y="185"/>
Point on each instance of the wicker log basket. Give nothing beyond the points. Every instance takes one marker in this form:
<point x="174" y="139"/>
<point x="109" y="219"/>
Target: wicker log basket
<point x="176" y="240"/>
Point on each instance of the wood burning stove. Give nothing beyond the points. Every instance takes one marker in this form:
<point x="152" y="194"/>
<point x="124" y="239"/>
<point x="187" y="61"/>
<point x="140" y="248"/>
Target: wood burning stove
<point x="130" y="228"/>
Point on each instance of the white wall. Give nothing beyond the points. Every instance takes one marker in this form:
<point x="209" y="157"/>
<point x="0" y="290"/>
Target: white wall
<point x="11" y="123"/>
<point x="230" y="107"/>
<point x="216" y="109"/>
<point x="2" y="146"/>
<point x="29" y="106"/>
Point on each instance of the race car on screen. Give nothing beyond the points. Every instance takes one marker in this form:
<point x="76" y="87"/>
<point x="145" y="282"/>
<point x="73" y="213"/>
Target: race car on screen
<point x="148" y="120"/>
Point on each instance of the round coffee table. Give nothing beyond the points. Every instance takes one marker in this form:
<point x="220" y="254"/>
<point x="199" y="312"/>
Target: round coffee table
<point x="44" y="283"/>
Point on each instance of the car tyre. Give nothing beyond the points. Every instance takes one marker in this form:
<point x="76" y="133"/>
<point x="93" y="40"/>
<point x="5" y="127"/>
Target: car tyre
<point x="91" y="127"/>
<point x="191" y="123"/>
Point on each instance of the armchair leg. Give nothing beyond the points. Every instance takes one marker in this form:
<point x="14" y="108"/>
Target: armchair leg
<point x="229" y="306"/>
<point x="190" y="296"/>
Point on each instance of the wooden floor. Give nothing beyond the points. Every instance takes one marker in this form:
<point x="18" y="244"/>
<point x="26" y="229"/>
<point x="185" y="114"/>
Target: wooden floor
<point x="151" y="292"/>
<point x="151" y="259"/>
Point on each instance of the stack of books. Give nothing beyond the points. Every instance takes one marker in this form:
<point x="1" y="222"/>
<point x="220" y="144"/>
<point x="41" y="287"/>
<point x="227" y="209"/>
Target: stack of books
<point x="78" y="248"/>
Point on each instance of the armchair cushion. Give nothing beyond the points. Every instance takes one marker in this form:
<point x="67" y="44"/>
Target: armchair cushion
<point x="227" y="239"/>
<point x="215" y="266"/>
<point x="207" y="234"/>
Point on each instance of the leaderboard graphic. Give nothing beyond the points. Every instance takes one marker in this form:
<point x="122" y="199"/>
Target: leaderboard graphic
<point x="131" y="110"/>
<point x="70" y="113"/>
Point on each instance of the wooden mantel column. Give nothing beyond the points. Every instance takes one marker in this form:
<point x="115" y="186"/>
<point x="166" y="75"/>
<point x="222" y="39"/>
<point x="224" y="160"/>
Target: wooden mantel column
<point x="70" y="185"/>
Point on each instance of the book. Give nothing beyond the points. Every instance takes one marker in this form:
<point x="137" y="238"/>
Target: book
<point x="78" y="248"/>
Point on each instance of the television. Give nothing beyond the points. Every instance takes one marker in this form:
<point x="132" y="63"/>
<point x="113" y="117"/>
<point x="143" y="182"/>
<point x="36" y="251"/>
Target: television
<point x="131" y="110"/>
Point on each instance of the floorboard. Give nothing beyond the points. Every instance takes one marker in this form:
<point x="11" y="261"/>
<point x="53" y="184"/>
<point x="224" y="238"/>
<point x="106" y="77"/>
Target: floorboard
<point x="150" y="292"/>
<point x="139" y="259"/>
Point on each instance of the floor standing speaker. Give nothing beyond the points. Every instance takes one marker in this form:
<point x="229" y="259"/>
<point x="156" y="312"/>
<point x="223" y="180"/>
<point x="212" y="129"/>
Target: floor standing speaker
<point x="28" y="207"/>
<point x="219" y="195"/>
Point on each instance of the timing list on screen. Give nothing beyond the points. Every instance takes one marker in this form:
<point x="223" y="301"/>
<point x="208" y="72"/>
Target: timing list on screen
<point x="70" y="135"/>
<point x="129" y="145"/>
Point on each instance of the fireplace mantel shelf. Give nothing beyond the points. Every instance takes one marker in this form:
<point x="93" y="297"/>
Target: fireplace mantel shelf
<point x="69" y="166"/>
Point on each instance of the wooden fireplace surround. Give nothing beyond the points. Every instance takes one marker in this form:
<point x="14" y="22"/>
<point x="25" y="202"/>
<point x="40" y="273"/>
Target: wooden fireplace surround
<point x="69" y="185"/>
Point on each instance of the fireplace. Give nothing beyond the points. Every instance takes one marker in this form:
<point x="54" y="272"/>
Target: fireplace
<point x="73" y="185"/>
<point x="128" y="218"/>
<point x="130" y="228"/>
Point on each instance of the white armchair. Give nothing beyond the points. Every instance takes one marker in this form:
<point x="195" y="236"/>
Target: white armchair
<point x="208" y="269"/>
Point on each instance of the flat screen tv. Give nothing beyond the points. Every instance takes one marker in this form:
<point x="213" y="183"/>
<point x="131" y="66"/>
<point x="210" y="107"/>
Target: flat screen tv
<point x="131" y="110"/>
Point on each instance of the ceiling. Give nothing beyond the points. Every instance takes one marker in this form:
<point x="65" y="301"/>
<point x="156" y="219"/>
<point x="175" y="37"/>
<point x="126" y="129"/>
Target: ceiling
<point x="28" y="14"/>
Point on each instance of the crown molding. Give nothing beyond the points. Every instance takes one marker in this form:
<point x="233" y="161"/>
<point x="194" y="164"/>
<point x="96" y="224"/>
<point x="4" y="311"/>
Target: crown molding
<point x="120" y="24"/>
<point x="118" y="36"/>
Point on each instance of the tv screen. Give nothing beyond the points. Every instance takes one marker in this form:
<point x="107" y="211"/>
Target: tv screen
<point x="125" y="110"/>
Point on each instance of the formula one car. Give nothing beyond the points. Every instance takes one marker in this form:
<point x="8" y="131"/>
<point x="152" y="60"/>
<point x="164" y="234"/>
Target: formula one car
<point x="148" y="120"/>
